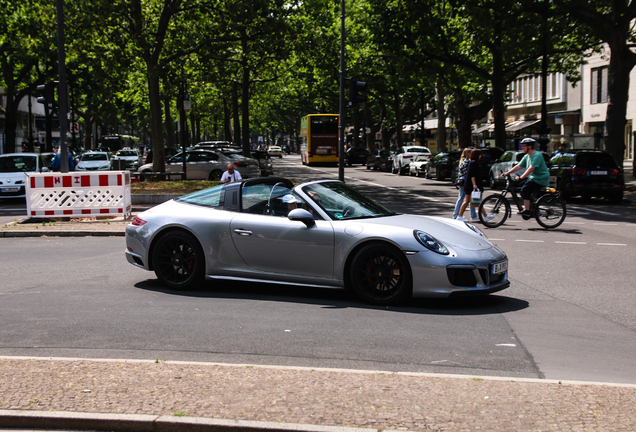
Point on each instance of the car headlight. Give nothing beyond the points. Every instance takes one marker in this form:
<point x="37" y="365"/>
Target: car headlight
<point x="80" y="168"/>
<point x="104" y="167"/>
<point x="475" y="229"/>
<point x="430" y="242"/>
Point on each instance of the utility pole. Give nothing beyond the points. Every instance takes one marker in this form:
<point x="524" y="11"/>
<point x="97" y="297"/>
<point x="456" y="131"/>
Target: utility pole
<point x="63" y="88"/>
<point x="343" y="111"/>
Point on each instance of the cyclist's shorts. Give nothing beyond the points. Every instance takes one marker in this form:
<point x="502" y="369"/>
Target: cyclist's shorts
<point x="529" y="188"/>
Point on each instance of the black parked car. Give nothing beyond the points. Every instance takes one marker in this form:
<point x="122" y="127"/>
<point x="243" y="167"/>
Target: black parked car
<point x="356" y="155"/>
<point x="441" y="166"/>
<point x="264" y="162"/>
<point x="588" y="173"/>
<point x="380" y="160"/>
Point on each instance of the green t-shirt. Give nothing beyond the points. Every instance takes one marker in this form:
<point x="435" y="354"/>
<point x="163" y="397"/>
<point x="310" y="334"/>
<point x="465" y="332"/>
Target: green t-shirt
<point x="540" y="175"/>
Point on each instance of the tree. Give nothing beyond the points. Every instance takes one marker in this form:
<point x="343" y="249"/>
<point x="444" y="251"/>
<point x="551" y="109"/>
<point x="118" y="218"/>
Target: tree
<point x="27" y="58"/>
<point x="611" y="21"/>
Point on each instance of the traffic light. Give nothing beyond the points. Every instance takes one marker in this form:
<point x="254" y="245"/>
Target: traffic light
<point x="47" y="93"/>
<point x="357" y="91"/>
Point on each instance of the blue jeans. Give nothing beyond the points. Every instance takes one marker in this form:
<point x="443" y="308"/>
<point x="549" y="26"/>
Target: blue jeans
<point x="460" y="200"/>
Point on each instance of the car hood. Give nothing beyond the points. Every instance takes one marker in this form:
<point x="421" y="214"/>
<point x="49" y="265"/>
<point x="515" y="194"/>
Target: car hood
<point x="93" y="164"/>
<point x="449" y="231"/>
<point x="10" y="178"/>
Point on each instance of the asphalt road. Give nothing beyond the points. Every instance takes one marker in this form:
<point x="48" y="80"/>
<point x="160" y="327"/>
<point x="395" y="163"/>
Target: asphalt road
<point x="569" y="313"/>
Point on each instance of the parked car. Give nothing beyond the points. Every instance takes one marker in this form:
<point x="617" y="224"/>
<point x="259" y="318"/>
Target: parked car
<point x="168" y="152"/>
<point x="380" y="160"/>
<point x="417" y="166"/>
<point x="241" y="231"/>
<point x="441" y="166"/>
<point x="205" y="165"/>
<point x="508" y="160"/>
<point x="588" y="173"/>
<point x="13" y="167"/>
<point x="275" y="151"/>
<point x="489" y="156"/>
<point x="264" y="162"/>
<point x="404" y="156"/>
<point x="356" y="155"/>
<point x="94" y="161"/>
<point x="130" y="158"/>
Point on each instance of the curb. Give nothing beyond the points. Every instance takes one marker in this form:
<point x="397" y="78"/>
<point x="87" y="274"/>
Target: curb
<point x="74" y="233"/>
<point x="152" y="423"/>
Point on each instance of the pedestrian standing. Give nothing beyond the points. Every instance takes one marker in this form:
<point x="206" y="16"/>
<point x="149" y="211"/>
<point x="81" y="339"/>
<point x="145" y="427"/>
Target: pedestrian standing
<point x="464" y="161"/>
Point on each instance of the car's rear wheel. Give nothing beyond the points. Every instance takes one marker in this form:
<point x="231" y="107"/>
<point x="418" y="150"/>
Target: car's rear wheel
<point x="616" y="198"/>
<point x="492" y="182"/>
<point x="178" y="260"/>
<point x="380" y="274"/>
<point x="215" y="175"/>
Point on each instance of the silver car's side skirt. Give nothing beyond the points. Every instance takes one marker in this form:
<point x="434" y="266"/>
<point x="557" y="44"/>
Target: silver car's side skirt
<point x="277" y="282"/>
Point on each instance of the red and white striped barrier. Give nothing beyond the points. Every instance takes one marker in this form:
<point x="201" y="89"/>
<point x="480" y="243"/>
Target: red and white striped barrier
<point x="74" y="194"/>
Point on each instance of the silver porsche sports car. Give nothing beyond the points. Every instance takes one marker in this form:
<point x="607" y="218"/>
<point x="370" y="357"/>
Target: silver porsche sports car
<point x="319" y="234"/>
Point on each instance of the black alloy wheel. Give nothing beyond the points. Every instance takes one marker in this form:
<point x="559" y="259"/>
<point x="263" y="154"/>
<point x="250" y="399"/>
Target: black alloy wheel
<point x="215" y="175"/>
<point x="178" y="260"/>
<point x="380" y="274"/>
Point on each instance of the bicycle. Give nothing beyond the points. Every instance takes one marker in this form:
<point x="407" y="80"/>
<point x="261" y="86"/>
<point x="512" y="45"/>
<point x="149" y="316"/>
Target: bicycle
<point x="548" y="209"/>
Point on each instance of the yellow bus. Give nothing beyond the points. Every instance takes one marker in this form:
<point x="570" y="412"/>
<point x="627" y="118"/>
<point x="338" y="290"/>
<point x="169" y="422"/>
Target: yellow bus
<point x="319" y="135"/>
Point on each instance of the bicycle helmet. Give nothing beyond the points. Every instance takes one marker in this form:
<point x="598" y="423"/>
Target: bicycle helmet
<point x="529" y="142"/>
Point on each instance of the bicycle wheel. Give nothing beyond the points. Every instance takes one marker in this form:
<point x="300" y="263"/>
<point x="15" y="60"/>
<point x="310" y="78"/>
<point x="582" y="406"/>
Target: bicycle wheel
<point x="496" y="206"/>
<point x="550" y="211"/>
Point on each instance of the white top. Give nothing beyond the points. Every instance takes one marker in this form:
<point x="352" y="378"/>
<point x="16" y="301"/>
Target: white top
<point x="235" y="176"/>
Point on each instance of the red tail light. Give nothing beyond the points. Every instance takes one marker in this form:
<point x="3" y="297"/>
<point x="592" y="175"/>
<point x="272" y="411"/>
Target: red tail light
<point x="406" y="157"/>
<point x="240" y="164"/>
<point x="138" y="222"/>
<point x="579" y="171"/>
<point x="616" y="171"/>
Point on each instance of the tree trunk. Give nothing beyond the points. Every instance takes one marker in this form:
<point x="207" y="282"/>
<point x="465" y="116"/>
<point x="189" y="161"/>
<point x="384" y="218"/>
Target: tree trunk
<point x="399" y="122"/>
<point x="237" y="121"/>
<point x="169" y="123"/>
<point x="156" y="129"/>
<point x="441" y="117"/>
<point x="467" y="114"/>
<point x="622" y="61"/>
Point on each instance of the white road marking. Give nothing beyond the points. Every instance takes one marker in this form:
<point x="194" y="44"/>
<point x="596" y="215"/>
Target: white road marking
<point x="611" y="244"/>
<point x="530" y="241"/>
<point x="565" y="242"/>
<point x="574" y="223"/>
<point x="506" y="345"/>
<point x="603" y="223"/>
<point x="592" y="210"/>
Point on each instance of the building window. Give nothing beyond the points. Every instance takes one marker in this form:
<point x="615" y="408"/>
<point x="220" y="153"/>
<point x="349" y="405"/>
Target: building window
<point x="599" y="85"/>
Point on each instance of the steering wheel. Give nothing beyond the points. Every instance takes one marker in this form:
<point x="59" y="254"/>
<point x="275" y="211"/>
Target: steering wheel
<point x="348" y="211"/>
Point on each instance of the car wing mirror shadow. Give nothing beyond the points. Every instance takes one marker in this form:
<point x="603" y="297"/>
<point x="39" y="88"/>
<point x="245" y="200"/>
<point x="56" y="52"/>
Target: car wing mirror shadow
<point x="303" y="216"/>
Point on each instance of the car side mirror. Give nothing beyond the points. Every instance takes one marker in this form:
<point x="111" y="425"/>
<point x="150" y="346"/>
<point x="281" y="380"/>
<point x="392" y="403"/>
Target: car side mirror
<point x="303" y="216"/>
<point x="44" y="169"/>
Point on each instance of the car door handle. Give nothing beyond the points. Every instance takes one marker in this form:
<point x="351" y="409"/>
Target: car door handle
<point x="243" y="232"/>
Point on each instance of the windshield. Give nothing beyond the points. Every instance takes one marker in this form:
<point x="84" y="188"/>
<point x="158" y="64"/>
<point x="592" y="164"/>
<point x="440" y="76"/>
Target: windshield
<point x="94" y="157"/>
<point x="342" y="202"/>
<point x="126" y="153"/>
<point x="18" y="163"/>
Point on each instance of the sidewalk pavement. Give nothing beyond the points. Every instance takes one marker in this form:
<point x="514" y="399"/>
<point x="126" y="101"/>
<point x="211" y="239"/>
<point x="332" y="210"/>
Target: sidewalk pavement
<point x="156" y="395"/>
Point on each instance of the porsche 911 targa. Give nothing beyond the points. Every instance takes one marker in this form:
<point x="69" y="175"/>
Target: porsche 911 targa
<point x="319" y="234"/>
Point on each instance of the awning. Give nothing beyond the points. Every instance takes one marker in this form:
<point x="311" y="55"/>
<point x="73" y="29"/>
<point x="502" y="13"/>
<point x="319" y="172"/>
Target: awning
<point x="484" y="128"/>
<point x="520" y="124"/>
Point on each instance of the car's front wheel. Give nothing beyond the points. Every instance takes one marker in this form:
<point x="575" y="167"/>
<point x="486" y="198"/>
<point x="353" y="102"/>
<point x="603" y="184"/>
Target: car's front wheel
<point x="178" y="260"/>
<point x="380" y="274"/>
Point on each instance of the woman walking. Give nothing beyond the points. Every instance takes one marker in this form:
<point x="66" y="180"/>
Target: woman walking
<point x="464" y="161"/>
<point x="472" y="183"/>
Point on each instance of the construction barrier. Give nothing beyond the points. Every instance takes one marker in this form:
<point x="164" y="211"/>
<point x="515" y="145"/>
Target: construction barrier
<point x="78" y="194"/>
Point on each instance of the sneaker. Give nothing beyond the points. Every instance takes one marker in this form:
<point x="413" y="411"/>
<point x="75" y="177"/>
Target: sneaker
<point x="474" y="219"/>
<point x="489" y="217"/>
<point x="525" y="213"/>
<point x="461" y="218"/>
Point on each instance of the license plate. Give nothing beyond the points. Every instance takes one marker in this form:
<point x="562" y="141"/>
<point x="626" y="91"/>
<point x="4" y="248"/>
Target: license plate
<point x="10" y="190"/>
<point x="500" y="267"/>
<point x="598" y="172"/>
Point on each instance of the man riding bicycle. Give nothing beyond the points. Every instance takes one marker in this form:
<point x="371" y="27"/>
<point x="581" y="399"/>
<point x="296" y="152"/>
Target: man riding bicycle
<point x="537" y="173"/>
